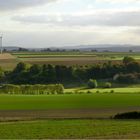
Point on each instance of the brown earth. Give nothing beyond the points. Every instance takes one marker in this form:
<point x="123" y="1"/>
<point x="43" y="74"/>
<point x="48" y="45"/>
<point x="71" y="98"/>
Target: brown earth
<point x="6" y="56"/>
<point x="8" y="61"/>
<point x="9" y="115"/>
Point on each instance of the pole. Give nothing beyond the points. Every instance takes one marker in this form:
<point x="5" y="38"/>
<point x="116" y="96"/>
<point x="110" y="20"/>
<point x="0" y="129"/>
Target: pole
<point x="1" y="44"/>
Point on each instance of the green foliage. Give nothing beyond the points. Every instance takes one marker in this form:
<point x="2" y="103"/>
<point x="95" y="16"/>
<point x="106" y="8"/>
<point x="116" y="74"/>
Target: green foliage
<point x="128" y="115"/>
<point x="107" y="85"/>
<point x="92" y="83"/>
<point x="32" y="89"/>
<point x="50" y="74"/>
<point x="128" y="78"/>
<point x="112" y="91"/>
<point x="128" y="59"/>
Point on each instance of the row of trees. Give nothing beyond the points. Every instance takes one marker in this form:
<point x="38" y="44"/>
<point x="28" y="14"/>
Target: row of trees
<point x="49" y="74"/>
<point x="32" y="89"/>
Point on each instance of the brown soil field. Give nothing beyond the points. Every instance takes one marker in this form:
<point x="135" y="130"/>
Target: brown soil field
<point x="6" y="56"/>
<point x="8" y="61"/>
<point x="11" y="115"/>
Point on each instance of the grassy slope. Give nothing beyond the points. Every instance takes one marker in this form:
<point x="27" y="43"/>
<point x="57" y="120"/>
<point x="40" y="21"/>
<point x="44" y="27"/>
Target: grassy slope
<point x="59" y="129"/>
<point x="83" y="101"/>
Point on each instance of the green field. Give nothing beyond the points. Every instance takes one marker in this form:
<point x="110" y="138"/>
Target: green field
<point x="71" y="129"/>
<point x="21" y="102"/>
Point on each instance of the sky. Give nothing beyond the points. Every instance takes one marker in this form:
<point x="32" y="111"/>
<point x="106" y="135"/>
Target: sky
<point x="49" y="23"/>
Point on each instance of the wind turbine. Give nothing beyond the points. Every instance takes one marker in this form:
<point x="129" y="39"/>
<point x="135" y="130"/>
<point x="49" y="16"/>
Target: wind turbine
<point x="1" y="37"/>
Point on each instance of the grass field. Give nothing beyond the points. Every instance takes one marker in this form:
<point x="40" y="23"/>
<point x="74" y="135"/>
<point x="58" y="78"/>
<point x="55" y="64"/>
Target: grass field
<point x="68" y="106"/>
<point x="71" y="129"/>
<point x="23" y="102"/>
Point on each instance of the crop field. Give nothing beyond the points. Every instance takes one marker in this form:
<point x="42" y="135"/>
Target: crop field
<point x="72" y="58"/>
<point x="71" y="129"/>
<point x="67" y="106"/>
<point x="9" y="61"/>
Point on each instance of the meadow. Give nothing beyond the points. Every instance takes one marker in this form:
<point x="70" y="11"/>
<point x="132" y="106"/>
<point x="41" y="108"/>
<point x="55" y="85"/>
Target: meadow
<point x="71" y="129"/>
<point x="73" y="101"/>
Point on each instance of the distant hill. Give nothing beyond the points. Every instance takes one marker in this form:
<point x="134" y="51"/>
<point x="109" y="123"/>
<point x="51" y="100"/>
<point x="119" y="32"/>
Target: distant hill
<point x="98" y="48"/>
<point x="11" y="48"/>
<point x="106" y="48"/>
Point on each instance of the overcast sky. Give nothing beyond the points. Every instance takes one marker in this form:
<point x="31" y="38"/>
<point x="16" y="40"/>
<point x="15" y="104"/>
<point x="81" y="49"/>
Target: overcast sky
<point x="46" y="23"/>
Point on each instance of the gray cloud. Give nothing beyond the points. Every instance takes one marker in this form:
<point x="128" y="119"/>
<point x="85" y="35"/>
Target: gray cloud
<point x="17" y="4"/>
<point x="120" y="18"/>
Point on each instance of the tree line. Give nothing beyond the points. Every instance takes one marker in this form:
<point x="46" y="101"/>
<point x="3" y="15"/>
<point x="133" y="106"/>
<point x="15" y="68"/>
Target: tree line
<point x="32" y="89"/>
<point x="49" y="74"/>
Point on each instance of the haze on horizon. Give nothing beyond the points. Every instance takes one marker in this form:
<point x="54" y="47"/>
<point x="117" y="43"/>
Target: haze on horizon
<point x="46" y="23"/>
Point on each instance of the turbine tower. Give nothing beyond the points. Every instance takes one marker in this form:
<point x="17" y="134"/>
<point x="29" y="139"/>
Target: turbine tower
<point x="1" y="37"/>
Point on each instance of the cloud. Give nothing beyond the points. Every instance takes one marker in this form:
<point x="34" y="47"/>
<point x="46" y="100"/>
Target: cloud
<point x="95" y="18"/>
<point x="17" y="4"/>
<point x="118" y="1"/>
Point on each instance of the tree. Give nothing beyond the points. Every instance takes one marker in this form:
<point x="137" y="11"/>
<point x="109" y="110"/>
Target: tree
<point x="128" y="59"/>
<point x="107" y="85"/>
<point x="92" y="83"/>
<point x="20" y="67"/>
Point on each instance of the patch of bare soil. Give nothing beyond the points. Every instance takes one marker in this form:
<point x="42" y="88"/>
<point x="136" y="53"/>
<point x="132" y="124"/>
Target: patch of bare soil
<point x="6" y="56"/>
<point x="63" y="114"/>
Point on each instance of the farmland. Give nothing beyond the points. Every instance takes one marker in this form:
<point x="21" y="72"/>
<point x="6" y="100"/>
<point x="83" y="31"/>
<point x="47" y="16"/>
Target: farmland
<point x="72" y="58"/>
<point x="68" y="116"/>
<point x="71" y="129"/>
<point x="9" y="61"/>
<point x="68" y="106"/>
<point x="78" y="112"/>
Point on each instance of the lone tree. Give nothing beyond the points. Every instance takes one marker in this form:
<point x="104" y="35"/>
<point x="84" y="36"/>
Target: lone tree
<point x="92" y="83"/>
<point x="128" y="59"/>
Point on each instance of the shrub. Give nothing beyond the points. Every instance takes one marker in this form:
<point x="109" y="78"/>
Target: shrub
<point x="127" y="78"/>
<point x="107" y="85"/>
<point x="128" y="59"/>
<point x="89" y="92"/>
<point x="97" y="91"/>
<point x="92" y="83"/>
<point x="112" y="91"/>
<point x="128" y="115"/>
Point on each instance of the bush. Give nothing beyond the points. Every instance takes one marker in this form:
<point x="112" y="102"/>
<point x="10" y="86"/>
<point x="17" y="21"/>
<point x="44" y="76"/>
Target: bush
<point x="89" y="92"/>
<point x="92" y="83"/>
<point x="128" y="115"/>
<point x="97" y="91"/>
<point x="112" y="91"/>
<point x="127" y="78"/>
<point x="128" y="59"/>
<point x="107" y="85"/>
